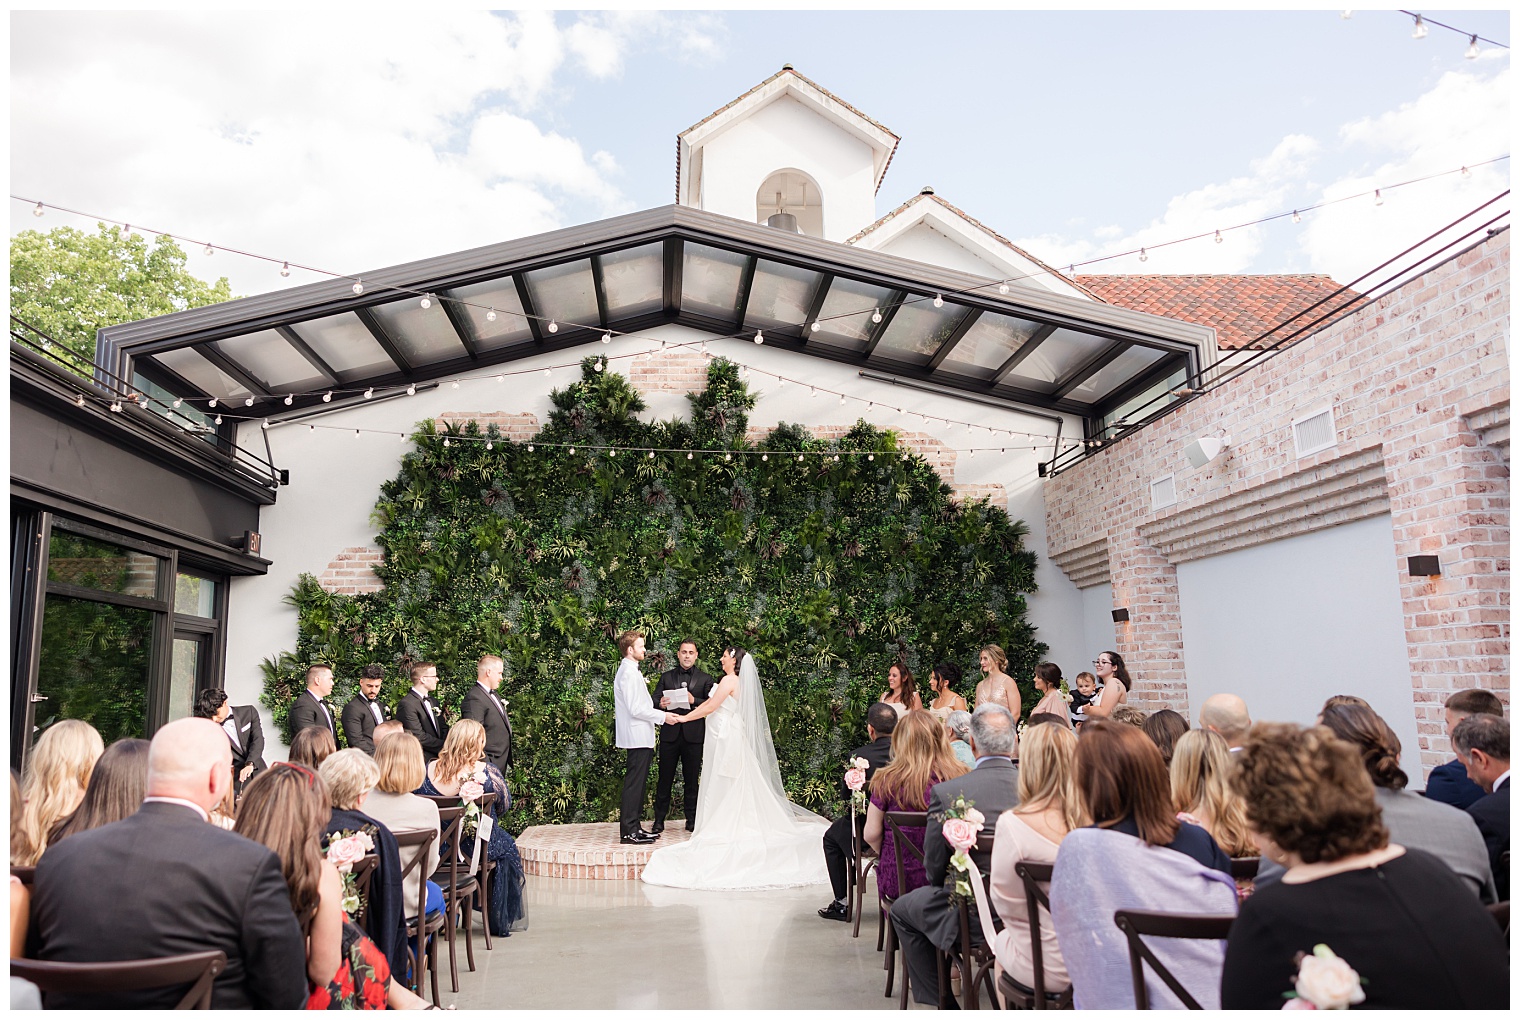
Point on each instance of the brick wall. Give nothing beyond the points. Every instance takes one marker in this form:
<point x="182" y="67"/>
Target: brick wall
<point x="682" y="370"/>
<point x="1419" y="385"/>
<point x="351" y="572"/>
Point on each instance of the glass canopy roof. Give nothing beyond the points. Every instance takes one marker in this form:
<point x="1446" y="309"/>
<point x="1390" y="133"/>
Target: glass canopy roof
<point x="449" y="315"/>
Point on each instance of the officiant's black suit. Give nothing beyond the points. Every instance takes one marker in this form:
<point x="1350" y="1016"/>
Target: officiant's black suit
<point x="681" y="743"/>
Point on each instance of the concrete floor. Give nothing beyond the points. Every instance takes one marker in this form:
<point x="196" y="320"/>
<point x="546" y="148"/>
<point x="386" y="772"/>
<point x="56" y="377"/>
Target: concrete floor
<point x="624" y="945"/>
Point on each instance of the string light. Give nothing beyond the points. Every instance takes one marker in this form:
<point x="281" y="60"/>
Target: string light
<point x="939" y="302"/>
<point x="1296" y="217"/>
<point x="1218" y="238"/>
<point x="759" y="337"/>
<point x="1466" y="172"/>
<point x="285" y="269"/>
<point x="248" y="402"/>
<point x="490" y="315"/>
<point x="411" y="389"/>
<point x="445" y="441"/>
<point x="356" y="433"/>
<point x="116" y="406"/>
<point x="79" y="400"/>
<point x="1377" y="197"/>
<point x="37" y="211"/>
<point x="369" y="393"/>
<point x="209" y="250"/>
<point x="218" y="420"/>
<point x="1003" y="287"/>
<point x="211" y="402"/>
<point x="689" y="455"/>
<point x="289" y="399"/>
<point x="1420" y="31"/>
<point x="178" y="401"/>
<point x="553" y="326"/>
<point x="1472" y="48"/>
<point x="455" y="384"/>
<point x="327" y="397"/>
<point x="1143" y="257"/>
<point x="264" y="424"/>
<point x="816" y="325"/>
<point x="426" y="302"/>
<point x="358" y="287"/>
<point x="489" y="444"/>
<point x="606" y="338"/>
<point x="876" y="315"/>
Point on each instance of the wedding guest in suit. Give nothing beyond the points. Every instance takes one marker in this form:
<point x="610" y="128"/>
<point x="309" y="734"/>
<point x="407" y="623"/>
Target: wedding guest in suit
<point x="364" y="711"/>
<point x="311" y="746"/>
<point x="1449" y="783"/>
<point x="902" y="691"/>
<point x="420" y="715"/>
<point x="463" y="761"/>
<point x="164" y="882"/>
<point x="57" y="773"/>
<point x="1114" y="685"/>
<point x="1482" y="743"/>
<point x="1201" y="794"/>
<point x="838" y="841"/>
<point x="1049" y="808"/>
<point x="1165" y="728"/>
<point x="924" y="917"/>
<point x="394" y="805"/>
<point x="1407" y="924"/>
<point x="244" y="731"/>
<point x="1226" y="715"/>
<point x="117" y="787"/>
<point x="349" y="776"/>
<point x="1412" y="821"/>
<point x="310" y="709"/>
<point x="286" y="811"/>
<point x="681" y="743"/>
<point x="921" y="759"/>
<point x="483" y="703"/>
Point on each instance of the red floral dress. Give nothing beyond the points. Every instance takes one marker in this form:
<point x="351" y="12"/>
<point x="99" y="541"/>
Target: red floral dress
<point x="363" y="978"/>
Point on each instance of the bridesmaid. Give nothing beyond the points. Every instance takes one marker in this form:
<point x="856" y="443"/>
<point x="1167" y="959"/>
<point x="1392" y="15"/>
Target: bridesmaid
<point x="942" y="681"/>
<point x="902" y="692"/>
<point x="998" y="687"/>
<point x="1047" y="681"/>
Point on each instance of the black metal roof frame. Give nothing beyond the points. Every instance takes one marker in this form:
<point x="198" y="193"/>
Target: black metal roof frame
<point x="134" y="346"/>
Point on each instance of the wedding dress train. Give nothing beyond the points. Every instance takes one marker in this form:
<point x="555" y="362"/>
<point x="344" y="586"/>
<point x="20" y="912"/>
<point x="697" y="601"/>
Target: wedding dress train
<point x="748" y="835"/>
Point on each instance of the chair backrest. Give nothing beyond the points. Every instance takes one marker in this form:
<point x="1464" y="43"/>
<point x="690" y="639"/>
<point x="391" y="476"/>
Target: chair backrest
<point x="422" y="839"/>
<point x="1242" y="868"/>
<point x="896" y="821"/>
<point x="364" y="875"/>
<point x="199" y="970"/>
<point x="1135" y="923"/>
<point x="1036" y="879"/>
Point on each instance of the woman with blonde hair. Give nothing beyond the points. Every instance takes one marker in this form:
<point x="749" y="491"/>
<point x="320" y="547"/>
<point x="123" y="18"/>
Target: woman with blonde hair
<point x="1049" y="808"/>
<point x="921" y="757"/>
<point x="997" y="687"/>
<point x="393" y="804"/>
<point x="461" y="770"/>
<point x="57" y="773"/>
<point x="1201" y="791"/>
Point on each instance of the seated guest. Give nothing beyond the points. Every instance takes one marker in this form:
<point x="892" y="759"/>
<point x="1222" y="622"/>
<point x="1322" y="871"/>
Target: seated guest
<point x="1412" y="821"/>
<point x="286" y="810"/>
<point x="1129" y="715"/>
<point x="838" y="840"/>
<point x="1047" y="681"/>
<point x="364" y="710"/>
<point x="924" y="918"/>
<point x="349" y="776"/>
<point x="1449" y="783"/>
<point x="959" y="727"/>
<point x="1201" y="791"/>
<point x="462" y="760"/>
<point x="163" y="882"/>
<point x="311" y="746"/>
<point x="1049" y="808"/>
<point x="1226" y="715"/>
<point x="57" y="773"/>
<point x="393" y="804"/>
<point x="1136" y="855"/>
<point x="921" y="757"/>
<point x="387" y="728"/>
<point x="310" y="707"/>
<point x="1339" y="699"/>
<point x="21" y="896"/>
<point x="1398" y="917"/>
<point x="942" y="681"/>
<point x="1482" y="743"/>
<point x="1164" y="726"/>
<point x="117" y="788"/>
<point x="245" y="732"/>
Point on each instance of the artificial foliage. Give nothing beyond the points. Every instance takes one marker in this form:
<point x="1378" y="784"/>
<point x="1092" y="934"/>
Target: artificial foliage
<point x="827" y="571"/>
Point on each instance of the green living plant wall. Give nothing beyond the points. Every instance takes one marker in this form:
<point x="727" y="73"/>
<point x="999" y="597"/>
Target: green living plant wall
<point x="827" y="571"/>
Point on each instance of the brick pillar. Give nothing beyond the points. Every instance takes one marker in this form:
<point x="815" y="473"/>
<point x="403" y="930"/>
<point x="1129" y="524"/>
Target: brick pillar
<point x="1145" y="582"/>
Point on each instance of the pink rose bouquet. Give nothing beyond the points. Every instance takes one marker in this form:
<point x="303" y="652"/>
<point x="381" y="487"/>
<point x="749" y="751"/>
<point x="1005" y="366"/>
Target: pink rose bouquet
<point x="855" y="780"/>
<point x="961" y="827"/>
<point x="344" y="850"/>
<point x="1325" y="981"/>
<point x="470" y="791"/>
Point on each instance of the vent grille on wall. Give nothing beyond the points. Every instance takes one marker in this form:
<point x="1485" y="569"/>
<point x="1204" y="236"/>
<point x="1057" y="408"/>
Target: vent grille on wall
<point x="1163" y="492"/>
<point x="1314" y="432"/>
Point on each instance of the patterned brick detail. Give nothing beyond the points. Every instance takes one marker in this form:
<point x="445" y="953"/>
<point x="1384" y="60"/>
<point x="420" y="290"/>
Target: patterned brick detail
<point x="998" y="494"/>
<point x="518" y="426"/>
<point x="680" y="370"/>
<point x="1419" y="376"/>
<point x="352" y="571"/>
<point x="589" y="851"/>
<point x="1086" y="565"/>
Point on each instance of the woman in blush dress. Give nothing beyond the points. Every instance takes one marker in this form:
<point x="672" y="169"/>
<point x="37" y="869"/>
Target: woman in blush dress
<point x="461" y="761"/>
<point x="921" y="757"/>
<point x="942" y="681"/>
<point x="997" y="687"/>
<point x="1047" y="681"/>
<point x="902" y="692"/>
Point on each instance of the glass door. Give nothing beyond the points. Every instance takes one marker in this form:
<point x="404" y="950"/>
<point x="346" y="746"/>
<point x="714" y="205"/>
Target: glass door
<point x="188" y="672"/>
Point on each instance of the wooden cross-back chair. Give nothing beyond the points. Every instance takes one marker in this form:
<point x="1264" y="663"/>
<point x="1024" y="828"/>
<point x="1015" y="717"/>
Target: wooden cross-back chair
<point x="1135" y="923"/>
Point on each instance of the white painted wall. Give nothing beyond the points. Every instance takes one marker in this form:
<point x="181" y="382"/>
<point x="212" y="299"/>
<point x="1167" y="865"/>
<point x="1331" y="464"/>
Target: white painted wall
<point x="922" y="243"/>
<point x="786" y="133"/>
<point x="1289" y="623"/>
<point x="1098" y="631"/>
<point x="336" y="478"/>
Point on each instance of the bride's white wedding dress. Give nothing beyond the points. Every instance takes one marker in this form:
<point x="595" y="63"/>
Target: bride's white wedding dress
<point x="748" y="835"/>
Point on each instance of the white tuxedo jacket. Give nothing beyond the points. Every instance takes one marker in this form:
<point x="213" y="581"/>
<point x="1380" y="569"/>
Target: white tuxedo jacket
<point x="636" y="715"/>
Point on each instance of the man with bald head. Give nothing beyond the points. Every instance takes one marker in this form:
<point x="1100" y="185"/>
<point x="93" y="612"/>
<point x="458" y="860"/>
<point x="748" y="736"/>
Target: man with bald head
<point x="166" y="881"/>
<point x="1226" y="715"/>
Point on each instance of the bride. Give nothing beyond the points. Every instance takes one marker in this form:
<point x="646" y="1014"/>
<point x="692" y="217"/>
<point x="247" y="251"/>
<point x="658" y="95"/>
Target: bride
<point x="748" y="835"/>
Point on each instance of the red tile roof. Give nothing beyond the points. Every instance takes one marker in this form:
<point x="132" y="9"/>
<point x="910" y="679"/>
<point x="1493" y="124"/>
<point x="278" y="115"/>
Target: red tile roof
<point x="1239" y="308"/>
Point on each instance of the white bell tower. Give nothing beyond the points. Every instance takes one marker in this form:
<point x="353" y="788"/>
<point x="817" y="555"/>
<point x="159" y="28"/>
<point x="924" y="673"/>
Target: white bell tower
<point x="787" y="153"/>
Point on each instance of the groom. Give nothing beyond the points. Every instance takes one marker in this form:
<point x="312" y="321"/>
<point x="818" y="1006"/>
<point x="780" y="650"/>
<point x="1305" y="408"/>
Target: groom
<point x="635" y="720"/>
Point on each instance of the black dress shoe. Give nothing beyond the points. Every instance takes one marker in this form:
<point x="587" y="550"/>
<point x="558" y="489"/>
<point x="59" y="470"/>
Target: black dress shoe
<point x="657" y="828"/>
<point x="639" y="838"/>
<point x="691" y="826"/>
<point x="835" y="911"/>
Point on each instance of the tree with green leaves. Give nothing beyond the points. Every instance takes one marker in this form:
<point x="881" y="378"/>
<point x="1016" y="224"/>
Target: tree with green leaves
<point x="69" y="283"/>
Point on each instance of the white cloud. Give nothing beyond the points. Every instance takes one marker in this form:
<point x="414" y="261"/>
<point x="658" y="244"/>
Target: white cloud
<point x="343" y="142"/>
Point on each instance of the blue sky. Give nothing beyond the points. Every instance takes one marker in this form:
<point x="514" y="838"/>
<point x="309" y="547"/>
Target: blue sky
<point x="1075" y="134"/>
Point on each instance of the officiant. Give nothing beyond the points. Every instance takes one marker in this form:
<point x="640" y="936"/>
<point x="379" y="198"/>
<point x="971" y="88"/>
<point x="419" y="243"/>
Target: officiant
<point x="681" y="743"/>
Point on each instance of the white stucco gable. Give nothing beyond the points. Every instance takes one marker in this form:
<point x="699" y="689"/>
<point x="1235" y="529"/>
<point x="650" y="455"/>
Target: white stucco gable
<point x="928" y="229"/>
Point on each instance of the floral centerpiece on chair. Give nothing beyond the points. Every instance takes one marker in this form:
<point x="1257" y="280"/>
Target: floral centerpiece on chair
<point x="472" y="786"/>
<point x="855" y="780"/>
<point x="344" y="850"/>
<point x="961" y="828"/>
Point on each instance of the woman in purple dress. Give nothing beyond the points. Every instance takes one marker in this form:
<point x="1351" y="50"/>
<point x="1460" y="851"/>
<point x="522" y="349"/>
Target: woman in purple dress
<point x="921" y="757"/>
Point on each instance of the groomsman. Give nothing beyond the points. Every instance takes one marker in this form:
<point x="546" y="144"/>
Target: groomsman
<point x="635" y="721"/>
<point x="485" y="706"/>
<point x="364" y="711"/>
<point x="420" y="714"/>
<point x="244" y="732"/>
<point x="309" y="709"/>
<point x="681" y="743"/>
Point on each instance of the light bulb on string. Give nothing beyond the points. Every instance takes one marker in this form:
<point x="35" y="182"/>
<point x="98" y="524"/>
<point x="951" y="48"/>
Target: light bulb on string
<point x="264" y="424"/>
<point x="369" y="393"/>
<point x="490" y="315"/>
<point x="1420" y="29"/>
<point x="1377" y="196"/>
<point x="411" y="389"/>
<point x="572" y="449"/>
<point x="765" y="456"/>
<point x="209" y="250"/>
<point x="37" y="210"/>
<point x="876" y="315"/>
<point x="688" y="456"/>
<point x="530" y="447"/>
<point x="426" y="302"/>
<point x="455" y="384"/>
<point x="726" y="456"/>
<point x="1003" y="287"/>
<point x="79" y="400"/>
<point x="1466" y="172"/>
<point x="841" y="400"/>
<point x="870" y="456"/>
<point x="356" y="433"/>
<point x="1472" y="48"/>
<point x="1218" y="237"/>
<point x="1144" y="257"/>
<point x="651" y="455"/>
<point x="285" y="269"/>
<point x="116" y="406"/>
<point x="759" y="337"/>
<point x="289" y="399"/>
<point x="548" y="372"/>
<point x="553" y="326"/>
<point x="606" y="338"/>
<point x="311" y="428"/>
<point x="939" y="302"/>
<point x="1296" y="217"/>
<point x="248" y="402"/>
<point x="358" y="287"/>
<point x="178" y="401"/>
<point x="501" y="378"/>
<point x="327" y="397"/>
<point x="799" y="458"/>
<point x="836" y="458"/>
<point x="490" y="445"/>
<point x="211" y="402"/>
<point x="126" y="230"/>
<point x="601" y="365"/>
<point x="817" y="325"/>
<point x="445" y="442"/>
<point x="218" y="420"/>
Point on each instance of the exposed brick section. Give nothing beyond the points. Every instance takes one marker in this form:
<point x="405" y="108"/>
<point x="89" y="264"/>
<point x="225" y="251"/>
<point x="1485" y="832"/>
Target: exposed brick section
<point x="588" y="851"/>
<point x="352" y="571"/>
<point x="681" y="370"/>
<point x="998" y="494"/>
<point x="1086" y="565"/>
<point x="1239" y="308"/>
<point x="940" y="457"/>
<point x="1421" y="377"/>
<point x="518" y="426"/>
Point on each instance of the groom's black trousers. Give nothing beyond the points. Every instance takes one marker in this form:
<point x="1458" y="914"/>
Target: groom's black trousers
<point x="634" y="782"/>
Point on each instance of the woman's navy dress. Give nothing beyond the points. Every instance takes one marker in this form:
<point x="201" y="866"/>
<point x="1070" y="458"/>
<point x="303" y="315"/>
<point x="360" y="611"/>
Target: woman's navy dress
<point x="509" y="911"/>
